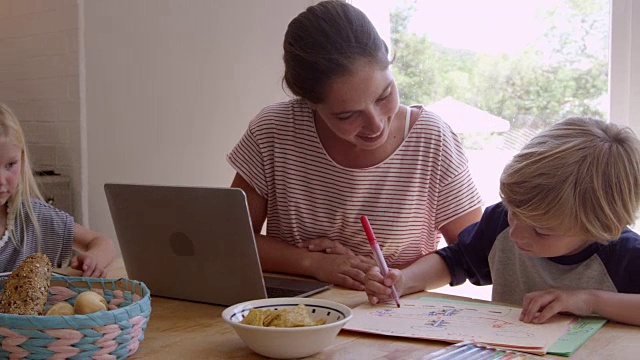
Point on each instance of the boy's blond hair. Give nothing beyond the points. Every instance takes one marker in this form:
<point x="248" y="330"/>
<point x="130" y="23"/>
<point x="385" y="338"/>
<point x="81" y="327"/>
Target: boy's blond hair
<point x="11" y="131"/>
<point x="581" y="176"/>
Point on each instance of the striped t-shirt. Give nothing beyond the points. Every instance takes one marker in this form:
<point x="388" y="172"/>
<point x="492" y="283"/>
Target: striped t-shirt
<point x="424" y="184"/>
<point x="56" y="230"/>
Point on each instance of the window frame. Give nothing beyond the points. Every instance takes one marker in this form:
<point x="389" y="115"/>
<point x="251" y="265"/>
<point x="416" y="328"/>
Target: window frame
<point x="624" y="64"/>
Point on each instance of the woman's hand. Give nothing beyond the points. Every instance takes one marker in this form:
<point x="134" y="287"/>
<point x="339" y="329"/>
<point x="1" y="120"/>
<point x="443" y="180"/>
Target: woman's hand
<point x="343" y="270"/>
<point x="88" y="266"/>
<point x="340" y="266"/>
<point x="378" y="287"/>
<point x="540" y="306"/>
<point x="326" y="245"/>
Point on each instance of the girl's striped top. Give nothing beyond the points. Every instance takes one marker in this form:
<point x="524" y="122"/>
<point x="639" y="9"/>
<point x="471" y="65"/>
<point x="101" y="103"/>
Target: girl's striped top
<point x="56" y="229"/>
<point x="424" y="184"/>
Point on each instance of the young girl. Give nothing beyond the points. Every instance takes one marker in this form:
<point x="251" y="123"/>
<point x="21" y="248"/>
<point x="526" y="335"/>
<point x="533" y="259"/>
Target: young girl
<point x="28" y="224"/>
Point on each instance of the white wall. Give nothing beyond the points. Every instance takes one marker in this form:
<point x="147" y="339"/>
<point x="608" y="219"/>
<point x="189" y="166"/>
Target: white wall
<point x="171" y="86"/>
<point x="39" y="82"/>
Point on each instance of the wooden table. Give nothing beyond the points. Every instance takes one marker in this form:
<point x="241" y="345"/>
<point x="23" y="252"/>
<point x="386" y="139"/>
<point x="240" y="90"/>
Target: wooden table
<point x="188" y="330"/>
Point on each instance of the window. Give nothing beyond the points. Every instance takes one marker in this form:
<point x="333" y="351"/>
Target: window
<point x="498" y="71"/>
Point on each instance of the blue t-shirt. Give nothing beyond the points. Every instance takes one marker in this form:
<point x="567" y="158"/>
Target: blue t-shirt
<point x="56" y="231"/>
<point x="485" y="255"/>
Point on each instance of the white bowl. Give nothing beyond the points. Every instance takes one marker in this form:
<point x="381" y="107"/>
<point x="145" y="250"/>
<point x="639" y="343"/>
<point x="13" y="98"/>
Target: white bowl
<point x="288" y="343"/>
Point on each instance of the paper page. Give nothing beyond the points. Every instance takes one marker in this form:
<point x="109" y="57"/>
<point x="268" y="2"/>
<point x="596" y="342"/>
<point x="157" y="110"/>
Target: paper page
<point x="577" y="335"/>
<point x="435" y="319"/>
<point x="579" y="332"/>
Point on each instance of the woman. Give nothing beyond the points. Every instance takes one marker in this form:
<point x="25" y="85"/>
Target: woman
<point x="344" y="147"/>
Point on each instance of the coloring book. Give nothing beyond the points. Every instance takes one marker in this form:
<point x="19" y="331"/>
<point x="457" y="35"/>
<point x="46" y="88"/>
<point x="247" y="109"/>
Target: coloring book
<point x="455" y="321"/>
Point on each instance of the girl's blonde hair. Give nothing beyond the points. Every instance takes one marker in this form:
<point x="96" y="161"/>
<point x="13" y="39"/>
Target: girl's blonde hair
<point x="580" y="176"/>
<point x="11" y="131"/>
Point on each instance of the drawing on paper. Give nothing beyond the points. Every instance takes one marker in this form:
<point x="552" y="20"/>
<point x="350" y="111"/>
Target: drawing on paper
<point x="457" y="321"/>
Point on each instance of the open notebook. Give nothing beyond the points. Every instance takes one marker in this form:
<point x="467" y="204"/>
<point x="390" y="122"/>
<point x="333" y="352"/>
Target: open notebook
<point x="454" y="321"/>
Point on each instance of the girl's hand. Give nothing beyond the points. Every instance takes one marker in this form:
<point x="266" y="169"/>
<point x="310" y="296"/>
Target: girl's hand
<point x="326" y="245"/>
<point x="87" y="265"/>
<point x="343" y="270"/>
<point x="378" y="287"/>
<point x="540" y="306"/>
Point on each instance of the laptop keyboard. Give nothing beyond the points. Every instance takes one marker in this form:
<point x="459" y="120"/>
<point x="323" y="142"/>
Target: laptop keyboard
<point x="273" y="292"/>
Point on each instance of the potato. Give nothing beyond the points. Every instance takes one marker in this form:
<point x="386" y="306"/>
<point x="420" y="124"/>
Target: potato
<point x="89" y="302"/>
<point x="60" y="309"/>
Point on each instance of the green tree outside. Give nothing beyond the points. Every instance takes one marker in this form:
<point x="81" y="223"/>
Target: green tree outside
<point x="531" y="90"/>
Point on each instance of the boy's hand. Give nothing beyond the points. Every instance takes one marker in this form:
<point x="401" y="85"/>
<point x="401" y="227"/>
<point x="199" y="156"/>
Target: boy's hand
<point x="87" y="265"/>
<point x="378" y="288"/>
<point x="326" y="245"/>
<point x="540" y="306"/>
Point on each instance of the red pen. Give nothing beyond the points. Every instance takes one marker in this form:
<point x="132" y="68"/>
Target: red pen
<point x="377" y="254"/>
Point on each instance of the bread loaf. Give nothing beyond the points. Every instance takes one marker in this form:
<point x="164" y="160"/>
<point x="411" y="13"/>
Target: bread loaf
<point x="27" y="288"/>
<point x="89" y="302"/>
<point x="60" y="309"/>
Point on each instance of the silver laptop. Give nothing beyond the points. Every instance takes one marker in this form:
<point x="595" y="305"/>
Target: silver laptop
<point x="194" y="243"/>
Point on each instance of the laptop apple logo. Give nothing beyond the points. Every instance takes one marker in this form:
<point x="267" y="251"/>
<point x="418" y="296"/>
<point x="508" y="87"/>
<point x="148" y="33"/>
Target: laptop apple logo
<point x="180" y="244"/>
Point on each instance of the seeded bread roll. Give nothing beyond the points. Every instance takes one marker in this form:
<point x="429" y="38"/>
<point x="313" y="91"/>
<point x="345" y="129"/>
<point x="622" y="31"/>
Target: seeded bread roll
<point x="26" y="289"/>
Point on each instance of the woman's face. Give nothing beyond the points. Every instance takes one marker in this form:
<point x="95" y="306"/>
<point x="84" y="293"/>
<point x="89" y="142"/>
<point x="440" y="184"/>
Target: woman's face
<point x="359" y="107"/>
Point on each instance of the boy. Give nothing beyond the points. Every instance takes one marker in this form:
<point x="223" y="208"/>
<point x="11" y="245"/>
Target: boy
<point x="547" y="245"/>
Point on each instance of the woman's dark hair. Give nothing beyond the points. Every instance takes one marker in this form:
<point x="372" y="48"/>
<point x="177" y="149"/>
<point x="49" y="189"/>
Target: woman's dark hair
<point x="325" y="41"/>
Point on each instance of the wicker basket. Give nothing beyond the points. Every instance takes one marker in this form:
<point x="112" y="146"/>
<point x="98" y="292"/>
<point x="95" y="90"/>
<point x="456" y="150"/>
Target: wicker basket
<point x="113" y="334"/>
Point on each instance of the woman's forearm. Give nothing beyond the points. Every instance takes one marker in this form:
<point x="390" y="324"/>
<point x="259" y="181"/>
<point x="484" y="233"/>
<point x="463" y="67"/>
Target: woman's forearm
<point x="278" y="256"/>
